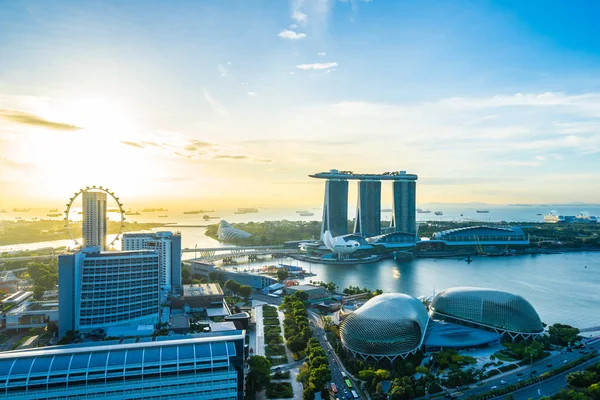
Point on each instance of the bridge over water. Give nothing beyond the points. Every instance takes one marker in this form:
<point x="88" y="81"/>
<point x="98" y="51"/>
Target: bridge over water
<point x="211" y="254"/>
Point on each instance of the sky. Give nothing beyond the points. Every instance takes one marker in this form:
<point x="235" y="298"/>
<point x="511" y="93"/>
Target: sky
<point x="234" y="103"/>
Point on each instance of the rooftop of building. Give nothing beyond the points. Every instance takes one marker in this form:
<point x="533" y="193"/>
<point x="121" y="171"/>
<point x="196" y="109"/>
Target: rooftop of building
<point x="17" y="297"/>
<point x="94" y="251"/>
<point x="7" y="276"/>
<point x="159" y="234"/>
<point x="481" y="229"/>
<point x="202" y="289"/>
<point x="25" y="307"/>
<point x="306" y="288"/>
<point x="350" y="175"/>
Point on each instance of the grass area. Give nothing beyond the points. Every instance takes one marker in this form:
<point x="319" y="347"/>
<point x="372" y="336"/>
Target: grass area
<point x="272" y="329"/>
<point x="500" y="355"/>
<point x="20" y="342"/>
<point x="3" y="338"/>
<point x="274" y="338"/>
<point x="281" y="375"/>
<point x="271" y="321"/>
<point x="278" y="350"/>
<point x="277" y="360"/>
<point x="280" y="390"/>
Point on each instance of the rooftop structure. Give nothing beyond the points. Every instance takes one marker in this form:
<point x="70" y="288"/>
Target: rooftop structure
<point x="314" y="292"/>
<point x="495" y="310"/>
<point x="17" y="298"/>
<point x="205" y="366"/>
<point x="482" y="235"/>
<point x="202" y="289"/>
<point x="349" y="175"/>
<point x="35" y="314"/>
<point x="442" y="334"/>
<point x="387" y="326"/>
<point x="200" y="297"/>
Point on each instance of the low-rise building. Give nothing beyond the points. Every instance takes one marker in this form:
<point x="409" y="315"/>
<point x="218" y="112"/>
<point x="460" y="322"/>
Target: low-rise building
<point x="314" y="292"/>
<point x="35" y="314"/>
<point x="199" y="297"/>
<point x="17" y="298"/>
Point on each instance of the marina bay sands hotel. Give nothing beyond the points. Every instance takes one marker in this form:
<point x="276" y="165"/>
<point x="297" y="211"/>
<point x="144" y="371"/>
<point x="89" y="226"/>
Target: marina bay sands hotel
<point x="368" y="212"/>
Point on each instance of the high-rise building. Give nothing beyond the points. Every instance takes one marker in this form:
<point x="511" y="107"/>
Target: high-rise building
<point x="168" y="245"/>
<point x="94" y="226"/>
<point x="368" y="210"/>
<point x="100" y="289"/>
<point x="404" y="205"/>
<point x="201" y="366"/>
<point x="335" y="208"/>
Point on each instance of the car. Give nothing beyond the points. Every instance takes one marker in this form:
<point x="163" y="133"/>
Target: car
<point x="548" y="365"/>
<point x="335" y="361"/>
<point x="533" y="372"/>
<point x="565" y="361"/>
<point x="581" y="352"/>
<point x="519" y="374"/>
<point x="503" y="382"/>
<point x="569" y="350"/>
<point x="494" y="387"/>
<point x="520" y="380"/>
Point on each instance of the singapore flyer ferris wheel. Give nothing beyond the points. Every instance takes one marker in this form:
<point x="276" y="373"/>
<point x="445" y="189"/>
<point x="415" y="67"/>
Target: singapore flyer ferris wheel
<point x="87" y="189"/>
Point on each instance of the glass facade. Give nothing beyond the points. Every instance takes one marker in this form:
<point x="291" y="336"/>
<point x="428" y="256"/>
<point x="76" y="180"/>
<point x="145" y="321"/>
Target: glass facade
<point x="335" y="208"/>
<point x="206" y="366"/>
<point x="226" y="232"/>
<point x="488" y="307"/>
<point x="388" y="325"/>
<point x="368" y="212"/>
<point x="404" y="206"/>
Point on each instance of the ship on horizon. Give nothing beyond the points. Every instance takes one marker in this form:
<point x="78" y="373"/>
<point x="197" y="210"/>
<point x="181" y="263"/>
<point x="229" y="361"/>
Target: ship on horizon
<point x="21" y="209"/>
<point x="421" y="211"/>
<point x="438" y="213"/>
<point x="483" y="211"/>
<point x="198" y="211"/>
<point x="246" y="210"/>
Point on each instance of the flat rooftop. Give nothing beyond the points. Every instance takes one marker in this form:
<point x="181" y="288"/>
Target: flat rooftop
<point x="202" y="289"/>
<point x="306" y="288"/>
<point x="350" y="175"/>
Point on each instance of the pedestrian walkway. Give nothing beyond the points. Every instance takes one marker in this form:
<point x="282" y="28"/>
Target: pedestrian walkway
<point x="259" y="349"/>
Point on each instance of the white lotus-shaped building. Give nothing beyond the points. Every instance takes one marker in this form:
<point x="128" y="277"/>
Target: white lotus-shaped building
<point x="226" y="232"/>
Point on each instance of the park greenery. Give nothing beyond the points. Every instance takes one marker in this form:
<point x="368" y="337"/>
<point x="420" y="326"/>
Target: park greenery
<point x="259" y="375"/>
<point x="272" y="232"/>
<point x="295" y="324"/>
<point x="562" y="335"/>
<point x="44" y="276"/>
<point x="315" y="372"/>
<point x="583" y="385"/>
<point x="16" y="232"/>
<point x="242" y="290"/>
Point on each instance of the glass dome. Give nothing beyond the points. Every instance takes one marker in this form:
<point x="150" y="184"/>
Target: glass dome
<point x="494" y="308"/>
<point x="388" y="325"/>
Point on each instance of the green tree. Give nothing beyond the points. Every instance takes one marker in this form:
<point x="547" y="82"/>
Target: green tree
<point x="302" y="295"/>
<point x="367" y="375"/>
<point x="562" y="335"/>
<point x="38" y="292"/>
<point x="582" y="379"/>
<point x="185" y="276"/>
<point x="245" y="291"/>
<point x="52" y="328"/>
<point x="259" y="375"/>
<point x="282" y="274"/>
<point x="382" y="374"/>
<point x="319" y="377"/>
<point x="308" y="394"/>
<point x="594" y="391"/>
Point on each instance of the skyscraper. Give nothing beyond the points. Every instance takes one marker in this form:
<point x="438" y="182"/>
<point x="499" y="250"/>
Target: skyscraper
<point x="100" y="289"/>
<point x="368" y="209"/>
<point x="169" y="253"/>
<point x="94" y="226"/>
<point x="335" y="208"/>
<point x="404" y="205"/>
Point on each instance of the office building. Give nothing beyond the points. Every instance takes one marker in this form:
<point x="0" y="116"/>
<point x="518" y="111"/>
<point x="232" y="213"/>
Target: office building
<point x="100" y="289"/>
<point x="335" y="208"/>
<point x="404" y="205"/>
<point x="94" y="226"/>
<point x="202" y="366"/>
<point x="368" y="210"/>
<point x="168" y="245"/>
<point x="200" y="297"/>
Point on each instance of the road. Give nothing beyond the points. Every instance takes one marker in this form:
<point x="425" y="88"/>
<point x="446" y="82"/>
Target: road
<point x="336" y="367"/>
<point x="539" y="367"/>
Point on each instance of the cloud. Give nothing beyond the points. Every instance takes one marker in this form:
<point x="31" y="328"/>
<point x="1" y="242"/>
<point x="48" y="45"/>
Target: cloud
<point x="132" y="144"/>
<point x="291" y="35"/>
<point x="200" y="143"/>
<point x="291" y="73"/>
<point x="322" y="53"/>
<point x="317" y="66"/>
<point x="154" y="144"/>
<point x="252" y="94"/>
<point x="222" y="69"/>
<point x="293" y="26"/>
<point x="241" y="158"/>
<point x="299" y="16"/>
<point x="34" y="120"/>
<point x="226" y="157"/>
<point x="215" y="105"/>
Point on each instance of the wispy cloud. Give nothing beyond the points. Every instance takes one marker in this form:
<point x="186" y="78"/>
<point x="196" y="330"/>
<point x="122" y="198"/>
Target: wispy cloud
<point x="132" y="144"/>
<point x="293" y="26"/>
<point x="322" y="54"/>
<point x="299" y="16"/>
<point x="317" y="66"/>
<point x="241" y="158"/>
<point x="153" y="144"/>
<point x="228" y="157"/>
<point x="202" y="144"/>
<point x="252" y="94"/>
<point x="34" y="120"/>
<point x="215" y="105"/>
<point x="222" y="69"/>
<point x="291" y="35"/>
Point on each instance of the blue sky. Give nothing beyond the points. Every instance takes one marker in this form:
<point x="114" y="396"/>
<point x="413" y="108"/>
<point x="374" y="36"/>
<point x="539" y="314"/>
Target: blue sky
<point x="494" y="101"/>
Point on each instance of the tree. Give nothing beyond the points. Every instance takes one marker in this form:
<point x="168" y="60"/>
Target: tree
<point x="367" y="375"/>
<point x="185" y="276"/>
<point x="52" y="328"/>
<point x="282" y="274"/>
<point x="382" y="374"/>
<point x="562" y="335"/>
<point x="582" y="379"/>
<point x="259" y="375"/>
<point x="296" y="344"/>
<point x="38" y="292"/>
<point x="308" y="394"/>
<point x="245" y="291"/>
<point x="594" y="391"/>
<point x="319" y="376"/>
<point x="302" y="295"/>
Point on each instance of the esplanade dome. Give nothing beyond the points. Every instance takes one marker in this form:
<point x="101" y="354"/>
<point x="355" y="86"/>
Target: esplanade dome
<point x="388" y="325"/>
<point x="495" y="309"/>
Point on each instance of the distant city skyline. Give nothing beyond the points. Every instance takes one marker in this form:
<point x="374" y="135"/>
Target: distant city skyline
<point x="235" y="104"/>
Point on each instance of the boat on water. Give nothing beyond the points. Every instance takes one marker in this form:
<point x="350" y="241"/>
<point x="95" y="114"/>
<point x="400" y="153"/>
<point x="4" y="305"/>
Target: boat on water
<point x="53" y="215"/>
<point x="154" y="209"/>
<point x="300" y="211"/>
<point x="132" y="213"/>
<point x="306" y="214"/>
<point x="438" y="213"/>
<point x="421" y="211"/>
<point x="246" y="210"/>
<point x="207" y="217"/>
<point x="3" y="211"/>
<point x="21" y="209"/>
<point x="483" y="211"/>
<point x="53" y="210"/>
<point x="198" y="211"/>
<point x="162" y="216"/>
<point x="113" y="210"/>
